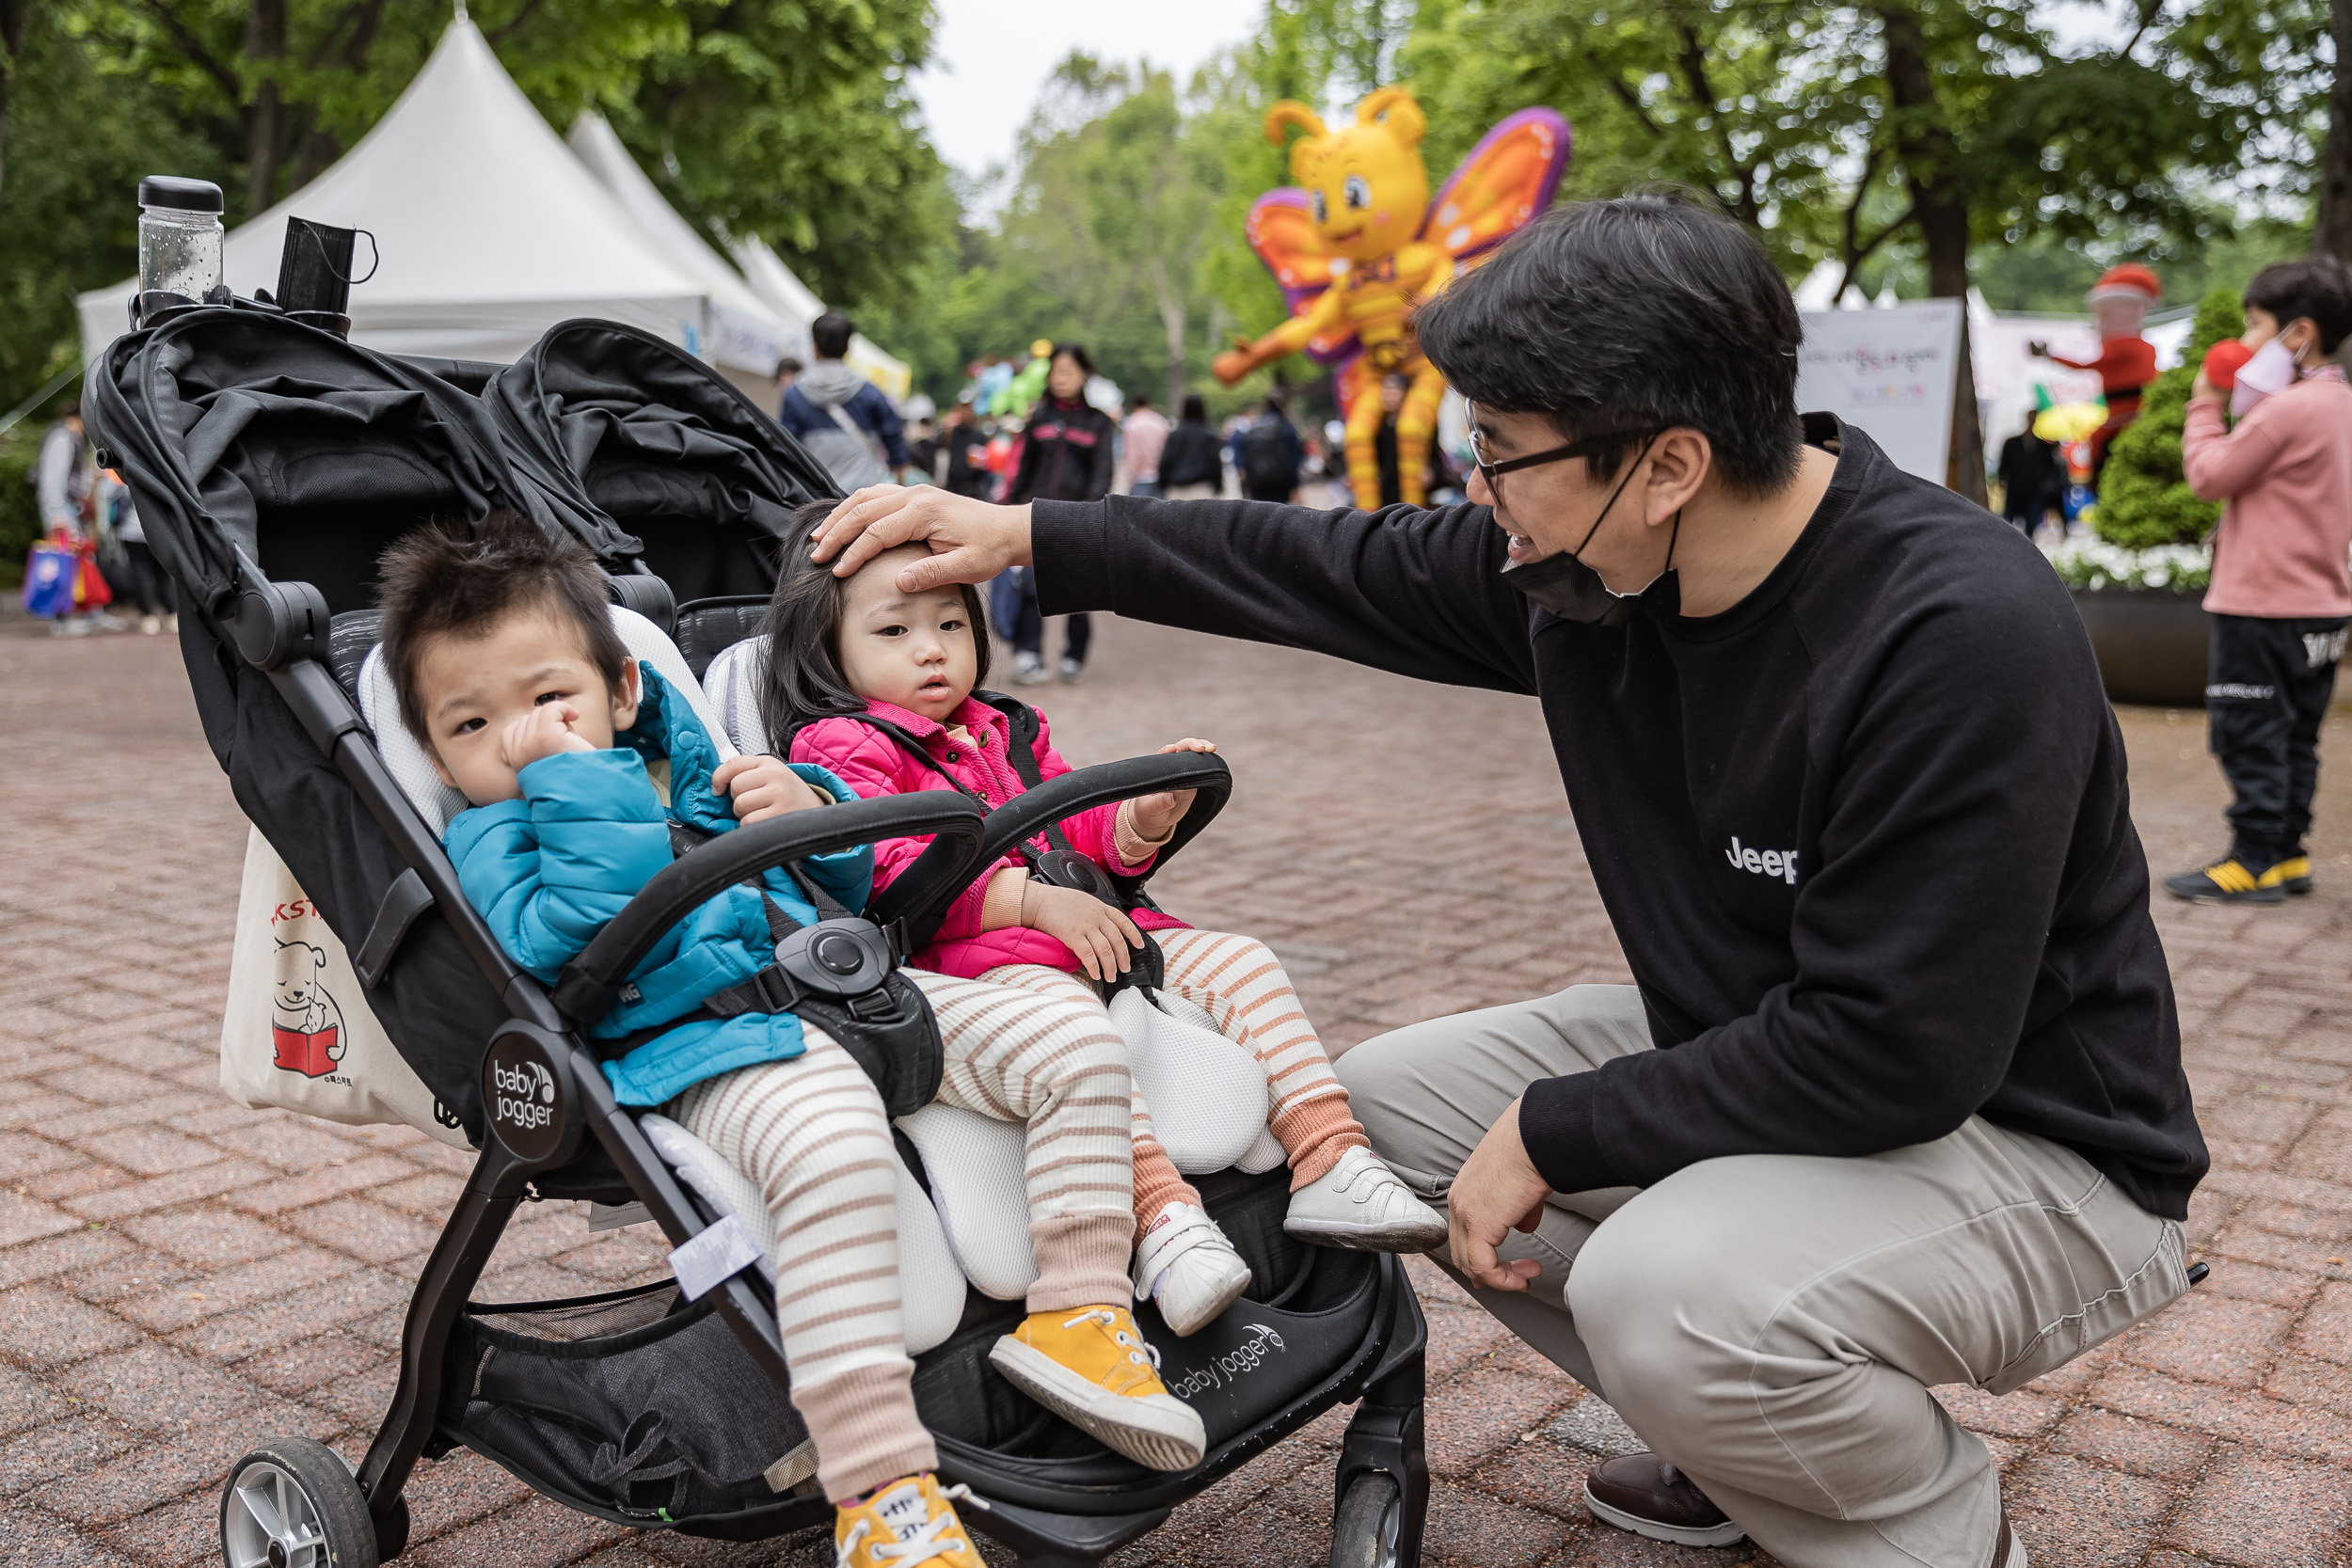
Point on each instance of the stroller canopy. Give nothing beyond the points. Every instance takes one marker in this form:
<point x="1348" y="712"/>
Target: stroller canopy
<point x="642" y="434"/>
<point x="244" y="433"/>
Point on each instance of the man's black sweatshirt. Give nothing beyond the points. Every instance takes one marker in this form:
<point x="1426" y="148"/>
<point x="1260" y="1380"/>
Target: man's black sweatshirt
<point x="1865" y="836"/>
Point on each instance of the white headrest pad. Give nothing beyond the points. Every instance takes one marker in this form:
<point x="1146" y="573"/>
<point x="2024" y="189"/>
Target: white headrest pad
<point x="411" y="765"/>
<point x="733" y="683"/>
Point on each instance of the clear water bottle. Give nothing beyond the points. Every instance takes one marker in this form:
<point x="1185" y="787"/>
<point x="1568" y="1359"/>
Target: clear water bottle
<point x="180" y="238"/>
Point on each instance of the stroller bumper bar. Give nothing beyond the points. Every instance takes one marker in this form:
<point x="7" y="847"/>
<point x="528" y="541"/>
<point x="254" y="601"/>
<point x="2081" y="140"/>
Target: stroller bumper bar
<point x="591" y="983"/>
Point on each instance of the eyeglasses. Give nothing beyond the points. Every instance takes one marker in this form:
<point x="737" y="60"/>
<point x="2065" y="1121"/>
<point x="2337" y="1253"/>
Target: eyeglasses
<point x="1491" y="470"/>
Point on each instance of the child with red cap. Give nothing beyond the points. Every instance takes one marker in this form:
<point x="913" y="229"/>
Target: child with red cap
<point x="2119" y="301"/>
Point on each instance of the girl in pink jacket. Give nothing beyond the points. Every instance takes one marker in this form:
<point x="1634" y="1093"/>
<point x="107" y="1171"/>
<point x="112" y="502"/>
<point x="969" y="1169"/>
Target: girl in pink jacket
<point x="839" y="647"/>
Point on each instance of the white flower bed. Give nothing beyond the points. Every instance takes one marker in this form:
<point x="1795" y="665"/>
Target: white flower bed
<point x="2095" y="564"/>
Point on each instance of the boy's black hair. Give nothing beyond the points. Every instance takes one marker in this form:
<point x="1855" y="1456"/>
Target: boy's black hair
<point x="1631" y="314"/>
<point x="804" y="682"/>
<point x="2315" y="287"/>
<point x="829" y="335"/>
<point x="448" y="579"/>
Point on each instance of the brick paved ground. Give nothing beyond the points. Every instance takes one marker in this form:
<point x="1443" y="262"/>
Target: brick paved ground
<point x="180" y="1276"/>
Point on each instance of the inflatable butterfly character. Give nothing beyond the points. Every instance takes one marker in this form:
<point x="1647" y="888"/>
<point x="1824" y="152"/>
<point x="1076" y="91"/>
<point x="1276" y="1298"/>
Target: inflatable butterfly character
<point x="1359" y="242"/>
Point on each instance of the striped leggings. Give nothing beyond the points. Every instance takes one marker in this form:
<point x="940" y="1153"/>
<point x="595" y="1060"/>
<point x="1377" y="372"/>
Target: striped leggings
<point x="1241" y="984"/>
<point x="812" y="1134"/>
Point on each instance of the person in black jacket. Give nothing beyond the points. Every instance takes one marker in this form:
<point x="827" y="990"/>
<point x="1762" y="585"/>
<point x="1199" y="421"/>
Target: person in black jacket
<point x="1896" y="1098"/>
<point x="1068" y="453"/>
<point x="2033" y="477"/>
<point x="1192" y="465"/>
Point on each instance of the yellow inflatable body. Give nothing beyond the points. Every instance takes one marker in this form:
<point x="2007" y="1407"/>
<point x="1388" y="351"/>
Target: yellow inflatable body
<point x="1358" y="243"/>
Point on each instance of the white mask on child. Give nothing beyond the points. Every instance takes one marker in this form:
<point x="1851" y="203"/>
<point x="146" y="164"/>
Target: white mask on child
<point x="2272" y="369"/>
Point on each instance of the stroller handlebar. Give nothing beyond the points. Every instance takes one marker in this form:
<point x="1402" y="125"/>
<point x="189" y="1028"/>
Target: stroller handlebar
<point x="589" y="984"/>
<point x="1081" y="789"/>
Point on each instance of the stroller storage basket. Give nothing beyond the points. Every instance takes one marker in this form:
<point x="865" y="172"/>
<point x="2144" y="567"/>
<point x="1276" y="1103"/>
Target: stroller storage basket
<point x="638" y="1406"/>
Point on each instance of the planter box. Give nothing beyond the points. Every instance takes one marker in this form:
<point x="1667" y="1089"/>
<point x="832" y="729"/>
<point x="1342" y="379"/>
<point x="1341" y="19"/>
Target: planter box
<point x="2151" y="642"/>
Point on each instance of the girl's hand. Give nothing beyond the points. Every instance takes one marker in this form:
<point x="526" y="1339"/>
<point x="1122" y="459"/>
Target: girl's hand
<point x="1154" y="817"/>
<point x="541" y="733"/>
<point x="1101" y="936"/>
<point x="762" y="787"/>
<point x="2204" y="390"/>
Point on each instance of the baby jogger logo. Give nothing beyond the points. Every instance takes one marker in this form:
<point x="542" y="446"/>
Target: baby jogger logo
<point x="1261" y="1345"/>
<point x="1780" y="863"/>
<point x="526" y="1093"/>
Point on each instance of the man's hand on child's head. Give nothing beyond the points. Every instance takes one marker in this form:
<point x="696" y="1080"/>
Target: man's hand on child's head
<point x="763" y="787"/>
<point x="1154" y="817"/>
<point x="1104" y="937"/>
<point x="541" y="733"/>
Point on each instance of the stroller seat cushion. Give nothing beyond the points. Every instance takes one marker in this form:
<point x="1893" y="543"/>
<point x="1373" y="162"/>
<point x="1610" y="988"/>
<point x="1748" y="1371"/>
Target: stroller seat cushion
<point x="1208" y="1096"/>
<point x="985" y="1207"/>
<point x="733" y="679"/>
<point x="411" y="765"/>
<point x="930" y="1284"/>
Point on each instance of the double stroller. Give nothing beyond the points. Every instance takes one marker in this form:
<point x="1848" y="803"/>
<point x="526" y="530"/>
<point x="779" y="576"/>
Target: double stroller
<point x="271" y="463"/>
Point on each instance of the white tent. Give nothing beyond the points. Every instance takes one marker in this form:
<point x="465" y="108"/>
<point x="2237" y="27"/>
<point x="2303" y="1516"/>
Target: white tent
<point x="490" y="231"/>
<point x="746" y="334"/>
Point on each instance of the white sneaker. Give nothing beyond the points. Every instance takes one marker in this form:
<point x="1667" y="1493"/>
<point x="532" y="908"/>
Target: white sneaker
<point x="1073" y="672"/>
<point x="1359" y="1204"/>
<point x="172" y="623"/>
<point x="1187" y="1266"/>
<point x="150" y="625"/>
<point x="1030" y="669"/>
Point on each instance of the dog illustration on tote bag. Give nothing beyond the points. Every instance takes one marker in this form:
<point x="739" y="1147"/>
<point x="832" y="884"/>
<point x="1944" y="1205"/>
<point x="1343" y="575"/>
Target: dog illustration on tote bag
<point x="306" y="1025"/>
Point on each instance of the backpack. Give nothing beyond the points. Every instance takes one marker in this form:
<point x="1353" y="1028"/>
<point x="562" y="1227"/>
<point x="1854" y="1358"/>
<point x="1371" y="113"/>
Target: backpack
<point x="1265" y="454"/>
<point x="850" y="455"/>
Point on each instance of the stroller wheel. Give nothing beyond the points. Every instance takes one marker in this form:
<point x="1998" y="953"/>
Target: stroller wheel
<point x="293" y="1504"/>
<point x="1364" y="1533"/>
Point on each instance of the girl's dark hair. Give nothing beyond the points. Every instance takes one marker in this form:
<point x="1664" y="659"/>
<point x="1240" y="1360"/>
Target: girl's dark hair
<point x="804" y="682"/>
<point x="2317" y="287"/>
<point x="1196" y="411"/>
<point x="1078" y="351"/>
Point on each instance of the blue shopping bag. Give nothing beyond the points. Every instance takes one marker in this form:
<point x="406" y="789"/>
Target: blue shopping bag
<point x="49" y="576"/>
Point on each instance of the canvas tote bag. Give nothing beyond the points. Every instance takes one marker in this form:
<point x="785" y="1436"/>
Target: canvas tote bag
<point x="297" y="1033"/>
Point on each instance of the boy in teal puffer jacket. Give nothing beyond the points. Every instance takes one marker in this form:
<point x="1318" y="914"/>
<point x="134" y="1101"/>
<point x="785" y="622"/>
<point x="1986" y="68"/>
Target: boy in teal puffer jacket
<point x="577" y="760"/>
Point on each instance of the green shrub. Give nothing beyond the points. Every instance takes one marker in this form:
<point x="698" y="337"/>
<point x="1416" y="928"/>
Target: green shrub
<point x="2143" y="500"/>
<point x="20" y="516"/>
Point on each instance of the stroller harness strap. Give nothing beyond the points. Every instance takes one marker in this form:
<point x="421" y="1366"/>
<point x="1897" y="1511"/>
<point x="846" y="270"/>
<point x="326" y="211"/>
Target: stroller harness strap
<point x="841" y="974"/>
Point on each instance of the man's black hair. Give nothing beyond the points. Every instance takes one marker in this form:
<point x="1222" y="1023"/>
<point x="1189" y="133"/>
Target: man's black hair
<point x="804" y="682"/>
<point x="448" y="579"/>
<point x="1631" y="314"/>
<point x="1141" y="400"/>
<point x="787" y="366"/>
<point x="2317" y="288"/>
<point x="830" y="334"/>
<point x="1196" y="411"/>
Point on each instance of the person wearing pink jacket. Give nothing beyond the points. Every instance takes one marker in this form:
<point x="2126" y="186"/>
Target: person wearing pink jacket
<point x="2281" y="571"/>
<point x="846" y="656"/>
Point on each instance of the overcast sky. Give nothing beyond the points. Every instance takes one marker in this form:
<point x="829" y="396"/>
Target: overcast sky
<point x="991" y="57"/>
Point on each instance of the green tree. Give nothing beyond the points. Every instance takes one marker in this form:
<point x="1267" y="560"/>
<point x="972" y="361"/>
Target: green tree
<point x="2143" y="499"/>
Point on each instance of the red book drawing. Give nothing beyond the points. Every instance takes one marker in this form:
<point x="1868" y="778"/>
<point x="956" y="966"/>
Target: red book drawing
<point x="306" y="1026"/>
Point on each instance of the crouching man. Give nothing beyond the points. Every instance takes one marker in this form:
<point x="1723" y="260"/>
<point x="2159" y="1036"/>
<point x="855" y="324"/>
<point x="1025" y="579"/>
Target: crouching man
<point x="1896" y="1098"/>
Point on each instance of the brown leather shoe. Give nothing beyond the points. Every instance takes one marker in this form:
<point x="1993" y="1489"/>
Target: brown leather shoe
<point x="1644" y="1494"/>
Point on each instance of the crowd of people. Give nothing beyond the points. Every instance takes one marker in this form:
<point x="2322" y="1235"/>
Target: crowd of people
<point x="93" y="554"/>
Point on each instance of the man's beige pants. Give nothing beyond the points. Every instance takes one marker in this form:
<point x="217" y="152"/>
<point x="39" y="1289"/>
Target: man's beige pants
<point x="1772" y="1323"/>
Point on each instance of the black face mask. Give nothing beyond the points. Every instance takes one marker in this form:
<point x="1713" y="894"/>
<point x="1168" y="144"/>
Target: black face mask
<point x="1562" y="584"/>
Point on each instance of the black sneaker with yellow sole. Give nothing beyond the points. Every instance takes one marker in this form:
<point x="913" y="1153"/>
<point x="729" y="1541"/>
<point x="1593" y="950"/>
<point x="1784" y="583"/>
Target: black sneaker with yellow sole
<point x="2227" y="880"/>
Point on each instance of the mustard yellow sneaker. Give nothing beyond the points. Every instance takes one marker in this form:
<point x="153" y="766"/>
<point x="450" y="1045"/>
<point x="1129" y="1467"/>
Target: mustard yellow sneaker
<point x="904" y="1524"/>
<point x="1092" y="1367"/>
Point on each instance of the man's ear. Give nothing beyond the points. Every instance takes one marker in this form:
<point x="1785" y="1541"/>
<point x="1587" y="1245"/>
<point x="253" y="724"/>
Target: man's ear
<point x="624" y="699"/>
<point x="1680" y="462"/>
